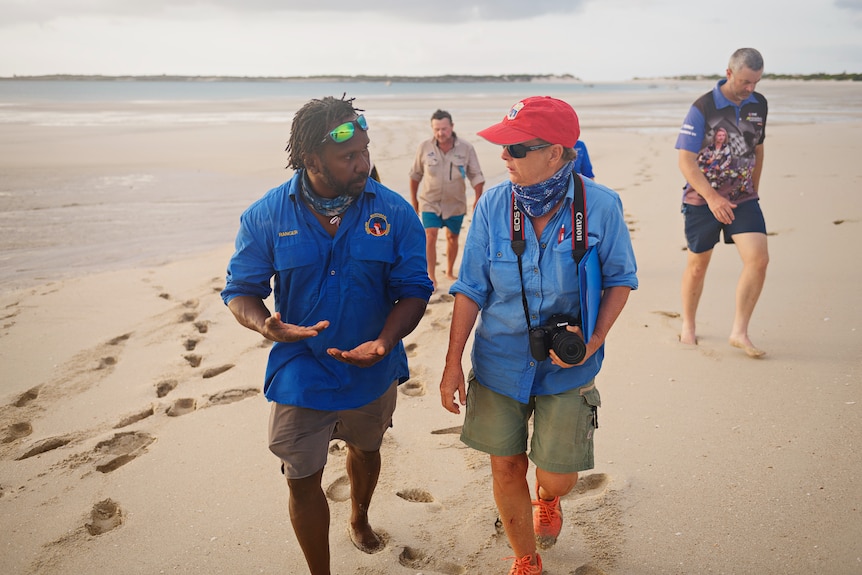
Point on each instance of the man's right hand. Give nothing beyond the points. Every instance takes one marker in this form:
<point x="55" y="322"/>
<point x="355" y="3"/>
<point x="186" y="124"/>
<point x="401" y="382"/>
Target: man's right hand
<point x="721" y="208"/>
<point x="452" y="381"/>
<point x="276" y="330"/>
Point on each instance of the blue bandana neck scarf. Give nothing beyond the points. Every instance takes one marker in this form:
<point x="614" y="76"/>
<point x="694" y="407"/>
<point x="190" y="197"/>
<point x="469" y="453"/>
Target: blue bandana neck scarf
<point x="539" y="199"/>
<point x="333" y="207"/>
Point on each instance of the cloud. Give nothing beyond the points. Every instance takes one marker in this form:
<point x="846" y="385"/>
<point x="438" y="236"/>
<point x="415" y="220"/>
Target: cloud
<point x="453" y="11"/>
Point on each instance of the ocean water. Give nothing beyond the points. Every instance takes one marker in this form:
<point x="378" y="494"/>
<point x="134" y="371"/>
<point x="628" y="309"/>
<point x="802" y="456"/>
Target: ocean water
<point x="60" y="222"/>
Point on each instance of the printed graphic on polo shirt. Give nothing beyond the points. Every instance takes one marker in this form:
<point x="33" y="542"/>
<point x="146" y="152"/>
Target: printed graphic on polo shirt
<point x="727" y="156"/>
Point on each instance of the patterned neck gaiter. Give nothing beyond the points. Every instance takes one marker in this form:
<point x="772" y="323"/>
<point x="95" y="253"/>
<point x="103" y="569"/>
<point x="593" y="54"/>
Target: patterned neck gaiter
<point x="539" y="199"/>
<point x="324" y="206"/>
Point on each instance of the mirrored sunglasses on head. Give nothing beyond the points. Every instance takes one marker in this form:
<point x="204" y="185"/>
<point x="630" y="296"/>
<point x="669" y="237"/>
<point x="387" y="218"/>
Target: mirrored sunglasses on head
<point x="345" y="131"/>
<point x="519" y="151"/>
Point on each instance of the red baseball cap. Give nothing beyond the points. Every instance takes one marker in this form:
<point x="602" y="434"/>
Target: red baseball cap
<point x="539" y="117"/>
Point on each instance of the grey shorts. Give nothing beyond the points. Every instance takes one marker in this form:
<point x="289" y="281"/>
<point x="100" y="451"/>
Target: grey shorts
<point x="563" y="426"/>
<point x="300" y="436"/>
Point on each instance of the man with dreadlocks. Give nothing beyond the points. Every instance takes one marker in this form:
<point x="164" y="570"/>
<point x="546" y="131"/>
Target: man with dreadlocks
<point x="348" y="258"/>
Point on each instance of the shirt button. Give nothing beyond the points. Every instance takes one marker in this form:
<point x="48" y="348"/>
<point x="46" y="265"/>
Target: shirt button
<point x="499" y="254"/>
<point x="332" y="272"/>
<point x="544" y="245"/>
<point x="532" y="364"/>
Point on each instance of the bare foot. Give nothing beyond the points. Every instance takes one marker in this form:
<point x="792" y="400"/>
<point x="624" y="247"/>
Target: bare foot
<point x="750" y="349"/>
<point x="451" y="276"/>
<point x="366" y="539"/>
<point x="688" y="338"/>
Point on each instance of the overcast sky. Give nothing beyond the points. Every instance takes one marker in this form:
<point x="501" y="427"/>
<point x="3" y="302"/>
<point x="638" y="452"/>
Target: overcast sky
<point x="595" y="40"/>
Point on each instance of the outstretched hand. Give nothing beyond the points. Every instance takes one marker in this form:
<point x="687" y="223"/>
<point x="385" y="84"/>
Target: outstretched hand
<point x="363" y="355"/>
<point x="277" y="330"/>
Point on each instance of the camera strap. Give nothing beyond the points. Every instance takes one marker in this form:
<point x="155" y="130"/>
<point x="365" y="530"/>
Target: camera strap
<point x="579" y="234"/>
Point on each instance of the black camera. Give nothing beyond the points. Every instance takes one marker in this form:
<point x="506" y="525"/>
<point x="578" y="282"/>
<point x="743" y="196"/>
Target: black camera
<point x="570" y="347"/>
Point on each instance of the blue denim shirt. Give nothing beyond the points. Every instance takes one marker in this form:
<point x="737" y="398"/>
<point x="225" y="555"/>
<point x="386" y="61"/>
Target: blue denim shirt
<point x="489" y="276"/>
<point x="354" y="279"/>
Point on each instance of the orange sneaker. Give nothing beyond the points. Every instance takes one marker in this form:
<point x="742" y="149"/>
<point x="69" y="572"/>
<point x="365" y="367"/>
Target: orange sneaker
<point x="547" y="521"/>
<point x="522" y="566"/>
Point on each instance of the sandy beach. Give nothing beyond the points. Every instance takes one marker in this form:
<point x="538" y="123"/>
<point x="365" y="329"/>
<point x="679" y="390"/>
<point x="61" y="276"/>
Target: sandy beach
<point x="133" y="427"/>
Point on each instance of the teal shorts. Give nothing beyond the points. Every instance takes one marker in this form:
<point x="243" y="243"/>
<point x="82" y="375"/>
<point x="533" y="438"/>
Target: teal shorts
<point x="563" y="426"/>
<point x="453" y="223"/>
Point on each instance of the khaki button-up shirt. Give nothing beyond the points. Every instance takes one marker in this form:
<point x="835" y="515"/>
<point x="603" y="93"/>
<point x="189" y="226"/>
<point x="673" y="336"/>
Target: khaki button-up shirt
<point x="443" y="176"/>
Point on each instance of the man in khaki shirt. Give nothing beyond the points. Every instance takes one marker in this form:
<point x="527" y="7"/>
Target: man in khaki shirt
<point x="444" y="162"/>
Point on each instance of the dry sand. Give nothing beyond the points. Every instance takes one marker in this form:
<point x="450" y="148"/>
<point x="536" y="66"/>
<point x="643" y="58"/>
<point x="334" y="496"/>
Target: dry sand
<point x="133" y="431"/>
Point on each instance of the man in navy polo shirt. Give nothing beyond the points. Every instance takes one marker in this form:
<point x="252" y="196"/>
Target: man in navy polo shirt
<point x="725" y="199"/>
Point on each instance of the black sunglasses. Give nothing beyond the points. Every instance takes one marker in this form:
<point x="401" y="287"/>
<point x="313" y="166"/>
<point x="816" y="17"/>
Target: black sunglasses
<point x="519" y="151"/>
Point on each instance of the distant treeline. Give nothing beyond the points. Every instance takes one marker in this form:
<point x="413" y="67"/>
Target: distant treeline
<point x="330" y="78"/>
<point x="394" y="79"/>
<point x="821" y="76"/>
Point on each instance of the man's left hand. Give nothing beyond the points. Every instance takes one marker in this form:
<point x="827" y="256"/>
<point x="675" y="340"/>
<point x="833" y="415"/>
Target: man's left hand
<point x="363" y="355"/>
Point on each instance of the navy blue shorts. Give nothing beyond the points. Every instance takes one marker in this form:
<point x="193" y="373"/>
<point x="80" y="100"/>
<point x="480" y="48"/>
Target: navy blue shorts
<point x="702" y="229"/>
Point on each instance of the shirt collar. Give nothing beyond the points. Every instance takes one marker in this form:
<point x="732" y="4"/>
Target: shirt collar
<point x="721" y="100"/>
<point x="294" y="183"/>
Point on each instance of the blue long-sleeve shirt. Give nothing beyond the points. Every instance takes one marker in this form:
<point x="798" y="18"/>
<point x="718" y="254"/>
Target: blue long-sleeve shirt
<point x="354" y="279"/>
<point x="489" y="276"/>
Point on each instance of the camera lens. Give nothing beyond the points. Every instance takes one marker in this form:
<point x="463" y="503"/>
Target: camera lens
<point x="569" y="347"/>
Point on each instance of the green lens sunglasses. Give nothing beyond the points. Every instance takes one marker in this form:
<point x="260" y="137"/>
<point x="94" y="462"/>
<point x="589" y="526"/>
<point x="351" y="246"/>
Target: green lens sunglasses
<point x="345" y="131"/>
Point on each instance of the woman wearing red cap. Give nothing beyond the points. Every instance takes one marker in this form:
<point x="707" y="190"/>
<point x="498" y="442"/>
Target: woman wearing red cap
<point x="519" y="271"/>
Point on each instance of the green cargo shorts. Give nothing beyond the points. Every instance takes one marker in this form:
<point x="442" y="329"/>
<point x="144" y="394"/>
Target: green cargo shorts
<point x="563" y="426"/>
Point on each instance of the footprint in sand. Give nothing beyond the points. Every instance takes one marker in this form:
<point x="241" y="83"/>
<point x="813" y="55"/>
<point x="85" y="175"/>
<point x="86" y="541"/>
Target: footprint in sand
<point x="190" y="344"/>
<point x="182" y="406"/>
<point x="46" y="445"/>
<point x="417" y="559"/>
<point x="339" y="490"/>
<point x="442" y="298"/>
<point x="589" y="570"/>
<point x="598" y="515"/>
<point x="106" y="362"/>
<point x="188" y="316"/>
<point x="232" y="395"/>
<point x="27" y="397"/>
<point x="193" y="359"/>
<point x="447" y="430"/>
<point x="410" y="348"/>
<point x="135" y="417"/>
<point x="119" y="339"/>
<point x="121" y="449"/>
<point x="412" y="388"/>
<point x="415" y="495"/>
<point x="202" y="326"/>
<point x="592" y="484"/>
<point x="214" y="371"/>
<point x="166" y="386"/>
<point x="104" y="516"/>
<point x="17" y="431"/>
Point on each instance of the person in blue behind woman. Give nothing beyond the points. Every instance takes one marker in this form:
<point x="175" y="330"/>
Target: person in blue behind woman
<point x="507" y="384"/>
<point x="583" y="165"/>
<point x="348" y="260"/>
